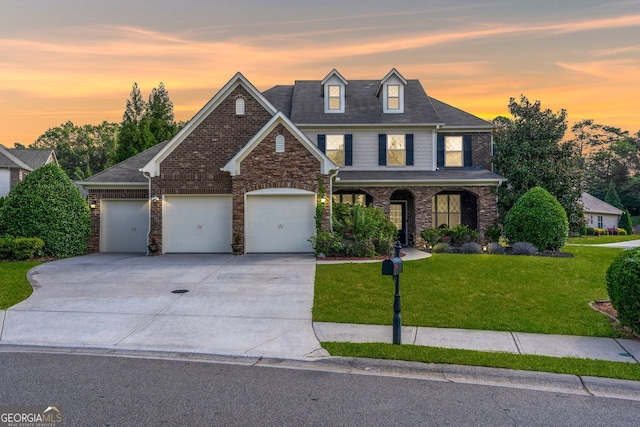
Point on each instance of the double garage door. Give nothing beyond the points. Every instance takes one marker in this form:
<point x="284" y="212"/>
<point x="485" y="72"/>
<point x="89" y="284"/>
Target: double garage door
<point x="203" y="224"/>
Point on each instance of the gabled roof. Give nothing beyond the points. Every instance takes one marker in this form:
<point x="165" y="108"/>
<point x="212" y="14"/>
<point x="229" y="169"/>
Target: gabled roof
<point x="332" y="73"/>
<point x="393" y="72"/>
<point x="9" y="160"/>
<point x="233" y="165"/>
<point x="125" y="172"/>
<point x="153" y="166"/>
<point x="35" y="157"/>
<point x="593" y="205"/>
<point x="362" y="105"/>
<point x="456" y="118"/>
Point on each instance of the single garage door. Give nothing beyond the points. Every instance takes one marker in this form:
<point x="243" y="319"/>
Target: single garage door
<point x="197" y="224"/>
<point x="279" y="222"/>
<point x="124" y="225"/>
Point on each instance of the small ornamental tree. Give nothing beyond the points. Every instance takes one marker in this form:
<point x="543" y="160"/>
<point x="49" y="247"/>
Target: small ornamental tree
<point x="537" y="218"/>
<point x="625" y="222"/>
<point x="623" y="286"/>
<point x="46" y="204"/>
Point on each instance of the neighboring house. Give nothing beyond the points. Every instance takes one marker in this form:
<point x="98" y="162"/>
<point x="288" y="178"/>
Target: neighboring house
<point x="16" y="163"/>
<point x="251" y="166"/>
<point x="599" y="214"/>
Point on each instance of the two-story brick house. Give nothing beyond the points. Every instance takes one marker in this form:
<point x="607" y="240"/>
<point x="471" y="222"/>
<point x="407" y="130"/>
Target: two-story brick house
<point x="249" y="166"/>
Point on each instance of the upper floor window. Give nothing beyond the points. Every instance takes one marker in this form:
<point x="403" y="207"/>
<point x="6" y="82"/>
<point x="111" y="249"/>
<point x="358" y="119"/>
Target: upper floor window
<point x="335" y="97"/>
<point x="240" y="107"/>
<point x="393" y="97"/>
<point x="395" y="150"/>
<point x="335" y="149"/>
<point x="453" y="151"/>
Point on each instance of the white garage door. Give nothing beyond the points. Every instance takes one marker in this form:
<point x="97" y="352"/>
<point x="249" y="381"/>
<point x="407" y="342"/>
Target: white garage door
<point x="5" y="182"/>
<point x="279" y="222"/>
<point x="124" y="225"/>
<point x="197" y="224"/>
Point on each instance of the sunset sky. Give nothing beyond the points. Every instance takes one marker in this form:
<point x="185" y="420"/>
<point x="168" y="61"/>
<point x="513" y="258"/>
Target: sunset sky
<point x="77" y="59"/>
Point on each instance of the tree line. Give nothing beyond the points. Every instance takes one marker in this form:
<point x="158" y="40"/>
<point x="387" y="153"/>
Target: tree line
<point x="531" y="149"/>
<point x="85" y="150"/>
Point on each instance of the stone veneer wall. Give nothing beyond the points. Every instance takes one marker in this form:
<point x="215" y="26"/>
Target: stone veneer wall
<point x="486" y="204"/>
<point x="264" y="168"/>
<point x="97" y="196"/>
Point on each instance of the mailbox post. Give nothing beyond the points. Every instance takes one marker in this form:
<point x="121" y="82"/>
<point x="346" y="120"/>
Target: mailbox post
<point x="393" y="267"/>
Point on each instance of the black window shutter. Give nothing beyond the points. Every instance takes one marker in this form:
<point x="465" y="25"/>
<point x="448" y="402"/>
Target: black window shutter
<point x="382" y="149"/>
<point x="468" y="152"/>
<point x="408" y="139"/>
<point x="440" y="151"/>
<point x="322" y="144"/>
<point x="348" y="150"/>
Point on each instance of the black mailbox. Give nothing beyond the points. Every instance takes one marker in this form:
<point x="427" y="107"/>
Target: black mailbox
<point x="392" y="266"/>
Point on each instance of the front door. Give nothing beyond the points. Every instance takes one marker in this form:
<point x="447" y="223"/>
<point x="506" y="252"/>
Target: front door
<point x="398" y="216"/>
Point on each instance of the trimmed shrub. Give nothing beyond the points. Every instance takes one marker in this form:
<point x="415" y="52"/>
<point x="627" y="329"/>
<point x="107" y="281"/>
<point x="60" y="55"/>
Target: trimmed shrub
<point x="523" y="248"/>
<point x="599" y="232"/>
<point x="623" y="286"/>
<point x="612" y="231"/>
<point x="6" y="247"/>
<point x="493" y="233"/>
<point x="441" y="248"/>
<point x="46" y="204"/>
<point x="21" y="248"/>
<point x="625" y="222"/>
<point x="537" y="217"/>
<point x="495" y="248"/>
<point x="590" y="231"/>
<point x="470" y="248"/>
<point x="622" y="232"/>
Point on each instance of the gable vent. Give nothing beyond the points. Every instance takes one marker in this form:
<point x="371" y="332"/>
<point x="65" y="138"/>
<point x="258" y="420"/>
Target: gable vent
<point x="279" y="144"/>
<point x="240" y="106"/>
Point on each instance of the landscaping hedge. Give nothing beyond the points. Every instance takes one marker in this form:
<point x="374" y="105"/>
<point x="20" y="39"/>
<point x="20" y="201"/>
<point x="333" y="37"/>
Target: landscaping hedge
<point x="623" y="286"/>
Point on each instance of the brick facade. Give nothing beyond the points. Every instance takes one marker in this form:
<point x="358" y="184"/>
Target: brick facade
<point x="419" y="215"/>
<point x="263" y="168"/>
<point x="96" y="196"/>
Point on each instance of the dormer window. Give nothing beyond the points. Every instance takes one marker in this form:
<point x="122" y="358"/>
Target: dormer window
<point x="393" y="97"/>
<point x="392" y="90"/>
<point x="334" y="97"/>
<point x="333" y="91"/>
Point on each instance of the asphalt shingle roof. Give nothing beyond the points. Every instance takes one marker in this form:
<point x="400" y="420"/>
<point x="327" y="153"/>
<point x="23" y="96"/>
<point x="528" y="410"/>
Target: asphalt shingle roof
<point x="443" y="174"/>
<point x="32" y="157"/>
<point x="128" y="170"/>
<point x="594" y="205"/>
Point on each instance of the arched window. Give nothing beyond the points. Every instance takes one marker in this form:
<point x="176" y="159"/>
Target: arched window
<point x="240" y="106"/>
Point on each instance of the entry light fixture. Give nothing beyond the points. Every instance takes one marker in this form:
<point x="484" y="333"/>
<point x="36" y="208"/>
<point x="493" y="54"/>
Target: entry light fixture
<point x="323" y="200"/>
<point x="155" y="199"/>
<point x="92" y="203"/>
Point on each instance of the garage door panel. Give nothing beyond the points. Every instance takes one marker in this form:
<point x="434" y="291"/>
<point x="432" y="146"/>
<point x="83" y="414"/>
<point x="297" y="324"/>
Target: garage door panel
<point x="197" y="224"/>
<point x="124" y="225"/>
<point x="279" y="223"/>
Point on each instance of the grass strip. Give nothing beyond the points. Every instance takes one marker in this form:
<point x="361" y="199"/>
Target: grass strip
<point x="14" y="286"/>
<point x="600" y="240"/>
<point x="526" y="362"/>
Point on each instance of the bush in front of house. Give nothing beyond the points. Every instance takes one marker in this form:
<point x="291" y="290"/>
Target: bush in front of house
<point x="440" y="248"/>
<point x="495" y="248"/>
<point x="538" y="218"/>
<point x="20" y="248"/>
<point x="493" y="234"/>
<point x="523" y="248"/>
<point x="590" y="231"/>
<point x="623" y="286"/>
<point x="455" y="236"/>
<point x="358" y="231"/>
<point x="625" y="222"/>
<point x="470" y="248"/>
<point x="47" y="205"/>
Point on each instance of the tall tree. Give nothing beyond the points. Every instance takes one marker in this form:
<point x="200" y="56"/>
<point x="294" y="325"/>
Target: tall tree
<point x="135" y="135"/>
<point x="81" y="150"/>
<point x="530" y="152"/>
<point x="160" y="114"/>
<point x="612" y="196"/>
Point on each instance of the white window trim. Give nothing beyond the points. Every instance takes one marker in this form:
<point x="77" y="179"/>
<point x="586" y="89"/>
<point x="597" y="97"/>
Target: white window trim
<point x="451" y="151"/>
<point x="404" y="139"/>
<point x="385" y="98"/>
<point x="327" y="149"/>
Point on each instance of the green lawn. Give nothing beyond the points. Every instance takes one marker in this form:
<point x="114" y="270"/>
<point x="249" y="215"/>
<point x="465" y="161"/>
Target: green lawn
<point x="561" y="365"/>
<point x="491" y="292"/>
<point x="599" y="240"/>
<point x="14" y="286"/>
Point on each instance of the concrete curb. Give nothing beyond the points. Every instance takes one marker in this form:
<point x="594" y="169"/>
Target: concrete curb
<point x="529" y="380"/>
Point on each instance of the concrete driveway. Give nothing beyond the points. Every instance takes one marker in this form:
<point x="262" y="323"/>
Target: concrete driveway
<point x="250" y="305"/>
